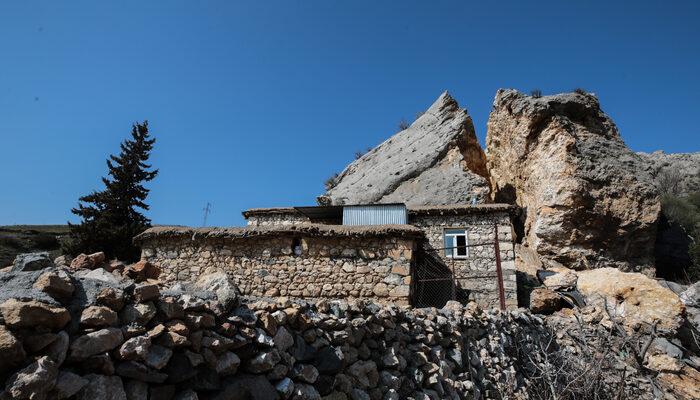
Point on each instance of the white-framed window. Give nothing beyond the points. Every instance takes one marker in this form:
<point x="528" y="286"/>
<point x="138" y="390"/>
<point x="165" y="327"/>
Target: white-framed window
<point x="456" y="243"/>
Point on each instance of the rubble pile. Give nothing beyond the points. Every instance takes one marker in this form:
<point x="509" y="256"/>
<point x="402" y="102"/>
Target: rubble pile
<point x="81" y="333"/>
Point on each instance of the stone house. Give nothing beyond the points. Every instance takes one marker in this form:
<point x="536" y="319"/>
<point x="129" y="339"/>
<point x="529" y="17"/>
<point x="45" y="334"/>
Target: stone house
<point x="422" y="256"/>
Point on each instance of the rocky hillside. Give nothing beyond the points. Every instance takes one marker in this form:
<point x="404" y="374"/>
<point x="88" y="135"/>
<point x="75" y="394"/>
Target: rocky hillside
<point x="17" y="239"/>
<point x="676" y="172"/>
<point x="437" y="160"/>
<point x="83" y="332"/>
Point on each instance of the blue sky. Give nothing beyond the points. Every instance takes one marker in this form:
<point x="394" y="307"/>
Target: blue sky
<point x="255" y="103"/>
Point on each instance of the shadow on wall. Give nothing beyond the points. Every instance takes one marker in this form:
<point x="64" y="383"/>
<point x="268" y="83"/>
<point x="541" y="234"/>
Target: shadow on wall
<point x="433" y="282"/>
<point x="507" y="195"/>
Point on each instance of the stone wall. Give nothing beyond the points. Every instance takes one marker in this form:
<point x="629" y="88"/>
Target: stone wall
<point x="477" y="273"/>
<point x="375" y="267"/>
<point x="275" y="218"/>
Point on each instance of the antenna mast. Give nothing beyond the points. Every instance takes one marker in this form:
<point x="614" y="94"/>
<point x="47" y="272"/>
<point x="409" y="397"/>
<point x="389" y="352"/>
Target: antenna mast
<point x="206" y="210"/>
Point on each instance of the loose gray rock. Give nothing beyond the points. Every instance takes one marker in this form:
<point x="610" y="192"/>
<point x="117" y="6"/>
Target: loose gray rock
<point x="691" y="296"/>
<point x="359" y="394"/>
<point x="101" y="387"/>
<point x="68" y="384"/>
<point x="98" y="316"/>
<point x="264" y="362"/>
<point x="329" y="360"/>
<point x="33" y="382"/>
<point x="305" y="373"/>
<point x="283" y="339"/>
<point x="246" y="386"/>
<point x="135" y="348"/>
<point x="158" y="356"/>
<point x="558" y="281"/>
<point x="20" y="286"/>
<point x="95" y="343"/>
<point x="285" y="388"/>
<point x="137" y="313"/>
<point x="136" y="390"/>
<point x="11" y="350"/>
<point x="32" y="262"/>
<point x="58" y="350"/>
<point x="364" y="374"/>
<point x="305" y="392"/>
<point x="227" y="364"/>
<point x="37" y="342"/>
<point x="56" y="284"/>
<point x="219" y="283"/>
<point x="145" y="292"/>
<point x="32" y="314"/>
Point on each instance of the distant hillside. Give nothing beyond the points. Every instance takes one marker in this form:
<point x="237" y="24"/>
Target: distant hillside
<point x="16" y="239"/>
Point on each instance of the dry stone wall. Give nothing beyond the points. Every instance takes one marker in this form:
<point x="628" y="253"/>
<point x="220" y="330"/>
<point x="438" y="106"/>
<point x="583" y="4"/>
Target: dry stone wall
<point x="275" y="219"/>
<point x="477" y="273"/>
<point x="111" y="338"/>
<point x="322" y="267"/>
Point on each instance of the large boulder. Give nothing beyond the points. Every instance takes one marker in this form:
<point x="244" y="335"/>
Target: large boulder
<point x="246" y="386"/>
<point x="437" y="160"/>
<point x="32" y="262"/>
<point x="32" y="314"/>
<point x="691" y="296"/>
<point x="101" y="387"/>
<point x="96" y="342"/>
<point x="11" y="350"/>
<point x="545" y="301"/>
<point x="33" y="382"/>
<point x="98" y="316"/>
<point x="585" y="195"/>
<point x="68" y="384"/>
<point x="223" y="287"/>
<point x="56" y="284"/>
<point x="88" y="261"/>
<point x="633" y="298"/>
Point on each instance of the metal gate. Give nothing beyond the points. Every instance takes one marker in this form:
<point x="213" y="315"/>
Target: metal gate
<point x="435" y="282"/>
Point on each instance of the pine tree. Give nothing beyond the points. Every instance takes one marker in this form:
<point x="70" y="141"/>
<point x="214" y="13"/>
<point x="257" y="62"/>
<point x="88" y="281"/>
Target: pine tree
<point x="111" y="217"/>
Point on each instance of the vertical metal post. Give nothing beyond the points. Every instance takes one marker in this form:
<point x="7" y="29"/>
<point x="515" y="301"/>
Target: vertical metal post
<point x="454" y="281"/>
<point x="499" y="271"/>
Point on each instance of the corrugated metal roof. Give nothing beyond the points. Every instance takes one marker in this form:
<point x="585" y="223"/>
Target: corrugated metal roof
<point x="375" y="214"/>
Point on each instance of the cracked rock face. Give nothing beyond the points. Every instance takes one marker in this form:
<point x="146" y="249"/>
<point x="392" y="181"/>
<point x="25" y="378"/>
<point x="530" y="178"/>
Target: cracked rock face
<point x="585" y="195"/>
<point x="437" y="160"/>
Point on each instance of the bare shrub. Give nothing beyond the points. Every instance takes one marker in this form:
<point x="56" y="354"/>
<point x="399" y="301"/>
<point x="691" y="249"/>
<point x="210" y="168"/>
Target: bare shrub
<point x="582" y="361"/>
<point x="668" y="180"/>
<point x="580" y="91"/>
<point x="403" y="125"/>
<point x="331" y="182"/>
<point x="360" y="153"/>
<point x="536" y="93"/>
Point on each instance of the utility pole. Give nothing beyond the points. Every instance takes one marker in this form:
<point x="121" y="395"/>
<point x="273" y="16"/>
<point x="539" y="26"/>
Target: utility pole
<point x="206" y="210"/>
